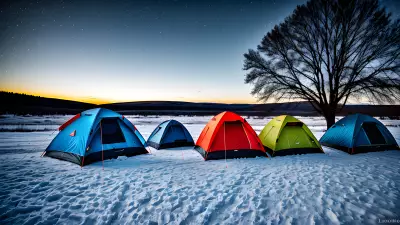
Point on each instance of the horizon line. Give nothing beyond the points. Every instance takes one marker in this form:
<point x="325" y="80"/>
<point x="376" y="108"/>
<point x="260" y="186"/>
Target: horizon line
<point x="105" y="102"/>
<point x="99" y="103"/>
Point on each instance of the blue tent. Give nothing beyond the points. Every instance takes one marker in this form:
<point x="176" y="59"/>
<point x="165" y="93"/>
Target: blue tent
<point x="170" y="134"/>
<point x="359" y="133"/>
<point x="95" y="135"/>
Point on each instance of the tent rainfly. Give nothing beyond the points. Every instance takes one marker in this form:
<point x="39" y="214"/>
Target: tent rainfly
<point x="170" y="134"/>
<point x="95" y="135"/>
<point x="286" y="135"/>
<point x="359" y="133"/>
<point x="227" y="135"/>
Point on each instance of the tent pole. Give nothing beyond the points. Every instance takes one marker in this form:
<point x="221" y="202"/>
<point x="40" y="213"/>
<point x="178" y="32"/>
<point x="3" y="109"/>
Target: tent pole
<point x="246" y="136"/>
<point x="102" y="150"/>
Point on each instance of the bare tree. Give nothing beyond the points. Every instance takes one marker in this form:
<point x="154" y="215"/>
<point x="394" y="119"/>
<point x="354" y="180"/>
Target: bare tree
<point x="327" y="52"/>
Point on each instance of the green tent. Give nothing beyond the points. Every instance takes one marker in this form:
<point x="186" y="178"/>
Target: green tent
<point x="286" y="135"/>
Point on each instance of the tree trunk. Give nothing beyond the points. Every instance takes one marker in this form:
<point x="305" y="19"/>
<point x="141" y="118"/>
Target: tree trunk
<point x="330" y="119"/>
<point x="329" y="112"/>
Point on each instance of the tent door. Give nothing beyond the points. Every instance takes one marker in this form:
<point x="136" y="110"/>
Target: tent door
<point x="175" y="133"/>
<point x="111" y="131"/>
<point x="294" y="137"/>
<point x="373" y="133"/>
<point x="235" y="136"/>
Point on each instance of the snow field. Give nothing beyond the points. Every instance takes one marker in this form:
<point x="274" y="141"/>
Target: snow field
<point x="177" y="186"/>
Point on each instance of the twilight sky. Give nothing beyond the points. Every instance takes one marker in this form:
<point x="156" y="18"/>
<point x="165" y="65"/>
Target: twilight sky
<point x="114" y="51"/>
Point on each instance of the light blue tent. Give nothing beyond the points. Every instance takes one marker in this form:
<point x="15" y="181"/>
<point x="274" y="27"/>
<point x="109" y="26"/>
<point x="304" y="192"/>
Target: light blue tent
<point x="359" y="133"/>
<point x="95" y="135"/>
<point x="170" y="134"/>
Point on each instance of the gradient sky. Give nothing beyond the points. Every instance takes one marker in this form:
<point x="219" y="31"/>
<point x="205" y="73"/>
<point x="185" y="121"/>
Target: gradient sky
<point x="116" y="51"/>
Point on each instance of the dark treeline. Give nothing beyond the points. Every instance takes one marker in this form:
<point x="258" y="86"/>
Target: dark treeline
<point x="23" y="104"/>
<point x="28" y="104"/>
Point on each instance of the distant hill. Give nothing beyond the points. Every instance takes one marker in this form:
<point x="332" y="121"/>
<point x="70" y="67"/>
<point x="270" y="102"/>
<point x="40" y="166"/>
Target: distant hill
<point x="272" y="109"/>
<point x="191" y="108"/>
<point x="28" y="104"/>
<point x="35" y="105"/>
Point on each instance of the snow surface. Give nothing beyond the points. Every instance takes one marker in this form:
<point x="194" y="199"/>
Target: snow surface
<point x="177" y="186"/>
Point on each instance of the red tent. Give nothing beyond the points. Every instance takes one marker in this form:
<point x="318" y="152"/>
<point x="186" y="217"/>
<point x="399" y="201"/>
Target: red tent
<point x="228" y="135"/>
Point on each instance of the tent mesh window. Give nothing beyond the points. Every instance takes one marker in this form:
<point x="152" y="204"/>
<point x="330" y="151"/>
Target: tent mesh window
<point x="374" y="134"/>
<point x="111" y="131"/>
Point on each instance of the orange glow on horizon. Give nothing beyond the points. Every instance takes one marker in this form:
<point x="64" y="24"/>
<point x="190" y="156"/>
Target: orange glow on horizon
<point x="59" y="96"/>
<point x="99" y="101"/>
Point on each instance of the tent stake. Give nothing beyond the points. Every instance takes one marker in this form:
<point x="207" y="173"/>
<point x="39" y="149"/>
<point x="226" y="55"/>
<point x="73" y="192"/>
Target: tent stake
<point x="83" y="161"/>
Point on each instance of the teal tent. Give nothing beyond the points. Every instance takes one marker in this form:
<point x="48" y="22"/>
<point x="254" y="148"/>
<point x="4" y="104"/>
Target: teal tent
<point x="359" y="133"/>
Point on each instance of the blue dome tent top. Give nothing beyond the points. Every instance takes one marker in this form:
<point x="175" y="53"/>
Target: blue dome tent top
<point x="170" y="134"/>
<point x="96" y="134"/>
<point x="359" y="133"/>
